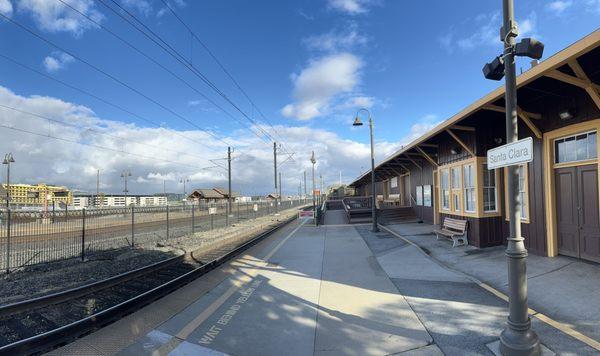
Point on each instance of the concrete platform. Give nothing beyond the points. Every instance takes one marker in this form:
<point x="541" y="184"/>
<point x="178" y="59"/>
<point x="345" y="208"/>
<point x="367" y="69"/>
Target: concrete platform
<point x="327" y="290"/>
<point x="308" y="291"/>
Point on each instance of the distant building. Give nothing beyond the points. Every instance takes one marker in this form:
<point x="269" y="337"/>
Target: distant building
<point x="211" y="195"/>
<point x="81" y="201"/>
<point x="110" y="201"/>
<point x="40" y="194"/>
<point x="152" y="201"/>
<point x="272" y="196"/>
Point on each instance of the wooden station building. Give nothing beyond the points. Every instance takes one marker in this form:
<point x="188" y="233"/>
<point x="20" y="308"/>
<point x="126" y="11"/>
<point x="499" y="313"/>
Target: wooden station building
<point x="444" y="172"/>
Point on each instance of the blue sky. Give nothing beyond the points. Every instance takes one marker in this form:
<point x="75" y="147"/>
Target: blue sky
<point x="307" y="65"/>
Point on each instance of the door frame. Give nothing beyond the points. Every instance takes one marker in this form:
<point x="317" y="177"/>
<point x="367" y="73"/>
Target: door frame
<point x="549" y="167"/>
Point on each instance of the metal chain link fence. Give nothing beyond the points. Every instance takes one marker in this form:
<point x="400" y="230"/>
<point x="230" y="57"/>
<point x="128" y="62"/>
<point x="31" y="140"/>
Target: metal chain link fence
<point x="28" y="238"/>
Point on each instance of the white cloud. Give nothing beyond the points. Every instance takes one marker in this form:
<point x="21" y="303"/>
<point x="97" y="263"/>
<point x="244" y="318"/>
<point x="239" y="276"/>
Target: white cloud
<point x="57" y="61"/>
<point x="162" y="153"/>
<point x="141" y="6"/>
<point x="6" y="7"/>
<point x="352" y="7"/>
<point x="593" y="5"/>
<point x="336" y="40"/>
<point x="559" y="6"/>
<point x="173" y="4"/>
<point x="320" y="82"/>
<point x="527" y="27"/>
<point x="53" y="16"/>
<point x="486" y="32"/>
<point x="356" y="102"/>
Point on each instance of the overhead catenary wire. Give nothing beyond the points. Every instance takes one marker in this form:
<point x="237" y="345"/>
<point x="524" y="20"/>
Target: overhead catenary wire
<point x="100" y="147"/>
<point x="219" y="63"/>
<point x="96" y="97"/>
<point x="144" y="54"/>
<point x="112" y="77"/>
<point x="42" y="117"/>
<point x="165" y="46"/>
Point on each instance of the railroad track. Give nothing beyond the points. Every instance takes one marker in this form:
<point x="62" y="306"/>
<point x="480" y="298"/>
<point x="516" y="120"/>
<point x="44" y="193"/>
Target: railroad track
<point x="40" y="324"/>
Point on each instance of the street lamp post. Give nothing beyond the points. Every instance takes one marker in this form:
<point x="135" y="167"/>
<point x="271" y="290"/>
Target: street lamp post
<point x="8" y="159"/>
<point x="357" y="122"/>
<point x="313" y="160"/>
<point x="517" y="338"/>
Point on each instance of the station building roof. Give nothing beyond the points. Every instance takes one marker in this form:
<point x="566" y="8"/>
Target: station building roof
<point x="576" y="67"/>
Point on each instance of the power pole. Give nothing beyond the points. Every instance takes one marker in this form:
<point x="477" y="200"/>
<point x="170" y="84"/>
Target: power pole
<point x="280" y="196"/>
<point x="517" y="338"/>
<point x="125" y="175"/>
<point x="275" y="169"/>
<point x="97" y="185"/>
<point x="229" y="183"/>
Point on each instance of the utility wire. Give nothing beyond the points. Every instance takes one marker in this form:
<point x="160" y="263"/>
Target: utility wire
<point x="179" y="57"/>
<point x="99" y="70"/>
<point x="214" y="57"/>
<point x="99" y="146"/>
<point x="130" y="45"/>
<point x="94" y="96"/>
<point x="42" y="117"/>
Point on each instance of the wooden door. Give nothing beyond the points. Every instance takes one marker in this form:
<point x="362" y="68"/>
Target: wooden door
<point x="577" y="212"/>
<point x="589" y="218"/>
<point x="567" y="221"/>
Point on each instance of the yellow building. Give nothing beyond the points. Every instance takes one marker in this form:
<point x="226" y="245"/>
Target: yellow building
<point x="27" y="194"/>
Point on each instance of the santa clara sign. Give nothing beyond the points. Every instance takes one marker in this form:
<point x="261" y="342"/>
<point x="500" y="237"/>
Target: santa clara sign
<point x="511" y="154"/>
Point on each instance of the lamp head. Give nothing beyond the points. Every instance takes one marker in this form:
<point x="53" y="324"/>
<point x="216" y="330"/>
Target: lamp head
<point x="529" y="47"/>
<point x="495" y="69"/>
<point x="357" y="122"/>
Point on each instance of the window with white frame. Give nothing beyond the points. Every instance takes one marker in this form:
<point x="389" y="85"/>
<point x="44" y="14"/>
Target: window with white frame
<point x="445" y="189"/>
<point x="419" y="195"/>
<point x="394" y="182"/>
<point x="489" y="190"/>
<point x="469" y="188"/>
<point x="455" y="183"/>
<point x="427" y="195"/>
<point x="574" y="148"/>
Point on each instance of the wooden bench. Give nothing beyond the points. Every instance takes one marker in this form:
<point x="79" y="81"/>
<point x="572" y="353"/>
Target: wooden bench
<point x="454" y="229"/>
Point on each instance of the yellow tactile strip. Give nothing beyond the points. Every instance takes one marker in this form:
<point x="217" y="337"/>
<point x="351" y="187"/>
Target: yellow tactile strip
<point x="542" y="317"/>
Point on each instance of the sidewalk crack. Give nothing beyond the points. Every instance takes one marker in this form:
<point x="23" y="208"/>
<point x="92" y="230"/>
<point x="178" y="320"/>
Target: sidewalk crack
<point x="551" y="271"/>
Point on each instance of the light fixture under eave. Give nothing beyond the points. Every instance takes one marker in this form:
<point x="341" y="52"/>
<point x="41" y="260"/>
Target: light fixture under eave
<point x="566" y="114"/>
<point x="455" y="150"/>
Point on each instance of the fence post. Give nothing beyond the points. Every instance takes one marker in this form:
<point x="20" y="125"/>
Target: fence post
<point x="83" y="234"/>
<point x="132" y="226"/>
<point x="211" y="220"/>
<point x="238" y="210"/>
<point x="193" y="224"/>
<point x="8" y="222"/>
<point x="167" y="221"/>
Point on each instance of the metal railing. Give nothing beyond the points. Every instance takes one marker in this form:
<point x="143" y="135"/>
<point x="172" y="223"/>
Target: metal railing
<point x="28" y="238"/>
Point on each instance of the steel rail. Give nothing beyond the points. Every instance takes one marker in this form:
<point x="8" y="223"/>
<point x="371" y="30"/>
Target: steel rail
<point x="80" y="291"/>
<point x="61" y="335"/>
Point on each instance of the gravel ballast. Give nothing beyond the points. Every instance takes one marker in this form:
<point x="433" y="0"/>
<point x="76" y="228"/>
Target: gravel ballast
<point x="42" y="279"/>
